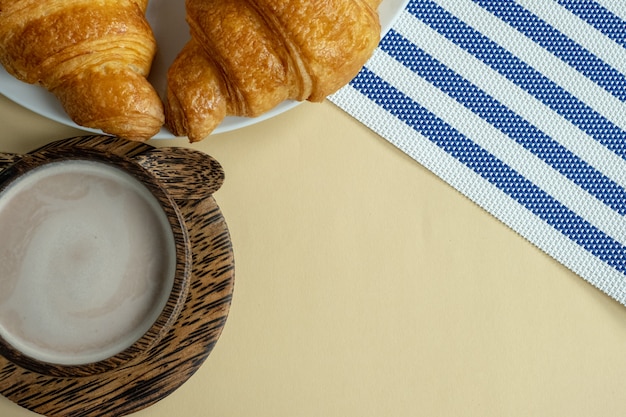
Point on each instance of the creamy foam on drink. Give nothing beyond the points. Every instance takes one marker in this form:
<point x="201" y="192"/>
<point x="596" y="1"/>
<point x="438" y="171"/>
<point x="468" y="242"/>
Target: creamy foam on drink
<point x="87" y="262"/>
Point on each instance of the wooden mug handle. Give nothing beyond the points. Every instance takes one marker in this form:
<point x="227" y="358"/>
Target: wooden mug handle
<point x="187" y="174"/>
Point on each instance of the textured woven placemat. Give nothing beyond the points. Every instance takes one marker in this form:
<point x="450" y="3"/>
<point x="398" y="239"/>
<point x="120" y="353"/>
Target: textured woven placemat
<point x="521" y="106"/>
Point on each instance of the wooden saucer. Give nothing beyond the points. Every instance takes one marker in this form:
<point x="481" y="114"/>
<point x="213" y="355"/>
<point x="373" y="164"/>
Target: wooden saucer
<point x="168" y="364"/>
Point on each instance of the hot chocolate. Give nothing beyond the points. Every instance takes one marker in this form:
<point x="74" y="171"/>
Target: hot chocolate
<point x="87" y="261"/>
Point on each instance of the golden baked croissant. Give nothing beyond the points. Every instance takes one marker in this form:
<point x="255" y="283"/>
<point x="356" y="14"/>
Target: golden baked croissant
<point x="247" y="56"/>
<point x="94" y="55"/>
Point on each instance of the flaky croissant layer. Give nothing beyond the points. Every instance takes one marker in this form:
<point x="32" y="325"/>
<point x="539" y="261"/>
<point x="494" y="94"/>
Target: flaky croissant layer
<point x="94" y="55"/>
<point x="247" y="56"/>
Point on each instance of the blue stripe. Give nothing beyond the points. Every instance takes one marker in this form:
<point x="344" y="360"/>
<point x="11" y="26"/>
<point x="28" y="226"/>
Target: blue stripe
<point x="560" y="45"/>
<point x="598" y="17"/>
<point x="507" y="121"/>
<point x="492" y="169"/>
<point x="546" y="91"/>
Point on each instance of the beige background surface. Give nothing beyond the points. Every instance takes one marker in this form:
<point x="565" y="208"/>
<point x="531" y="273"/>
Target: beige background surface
<point x="365" y="286"/>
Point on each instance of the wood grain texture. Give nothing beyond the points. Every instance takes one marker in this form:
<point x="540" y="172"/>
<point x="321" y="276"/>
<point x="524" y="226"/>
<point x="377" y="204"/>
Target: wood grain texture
<point x="7" y="159"/>
<point x="187" y="174"/>
<point x="166" y="365"/>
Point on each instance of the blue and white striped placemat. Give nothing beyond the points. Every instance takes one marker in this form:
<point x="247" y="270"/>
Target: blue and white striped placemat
<point x="521" y="106"/>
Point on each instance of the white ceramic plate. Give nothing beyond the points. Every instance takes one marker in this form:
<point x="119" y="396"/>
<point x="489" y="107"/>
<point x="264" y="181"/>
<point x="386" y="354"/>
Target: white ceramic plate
<point x="167" y="18"/>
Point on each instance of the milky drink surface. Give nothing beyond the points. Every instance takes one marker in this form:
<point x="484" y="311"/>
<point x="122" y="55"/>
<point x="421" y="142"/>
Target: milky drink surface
<point x="87" y="261"/>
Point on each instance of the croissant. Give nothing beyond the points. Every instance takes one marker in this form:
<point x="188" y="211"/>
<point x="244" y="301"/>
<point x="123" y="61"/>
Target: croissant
<point x="247" y="56"/>
<point x="93" y="55"/>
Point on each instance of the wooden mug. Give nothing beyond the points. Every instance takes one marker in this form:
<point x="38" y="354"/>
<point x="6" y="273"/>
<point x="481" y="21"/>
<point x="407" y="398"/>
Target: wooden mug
<point x="194" y="308"/>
